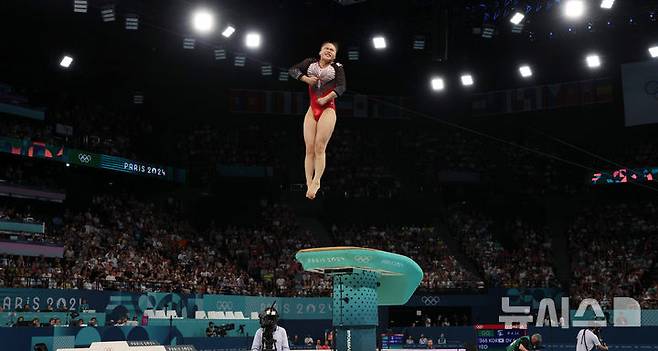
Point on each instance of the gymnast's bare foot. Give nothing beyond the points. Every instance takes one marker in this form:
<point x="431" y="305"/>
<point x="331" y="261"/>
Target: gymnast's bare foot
<point x="313" y="189"/>
<point x="308" y="190"/>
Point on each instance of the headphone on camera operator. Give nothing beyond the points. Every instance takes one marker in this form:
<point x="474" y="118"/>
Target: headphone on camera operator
<point x="270" y="336"/>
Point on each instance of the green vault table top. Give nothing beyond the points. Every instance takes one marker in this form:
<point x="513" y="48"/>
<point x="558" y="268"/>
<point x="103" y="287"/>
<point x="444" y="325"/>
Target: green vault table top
<point x="399" y="276"/>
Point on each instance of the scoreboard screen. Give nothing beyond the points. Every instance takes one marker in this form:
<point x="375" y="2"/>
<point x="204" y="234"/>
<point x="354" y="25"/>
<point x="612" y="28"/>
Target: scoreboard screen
<point x="496" y="337"/>
<point x="390" y="341"/>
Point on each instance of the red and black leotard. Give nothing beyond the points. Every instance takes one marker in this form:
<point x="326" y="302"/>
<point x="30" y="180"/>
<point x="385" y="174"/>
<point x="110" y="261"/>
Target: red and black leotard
<point x="330" y="78"/>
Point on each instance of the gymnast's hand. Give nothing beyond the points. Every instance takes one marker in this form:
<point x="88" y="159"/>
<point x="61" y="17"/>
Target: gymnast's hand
<point x="323" y="100"/>
<point x="310" y="80"/>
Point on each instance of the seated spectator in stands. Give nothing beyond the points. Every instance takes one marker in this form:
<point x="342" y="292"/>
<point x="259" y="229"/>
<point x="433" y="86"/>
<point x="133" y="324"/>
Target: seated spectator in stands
<point x="325" y="346"/>
<point x="26" y="308"/>
<point x="295" y="340"/>
<point x="442" y="339"/>
<point x="62" y="308"/>
<point x="410" y="340"/>
<point x="430" y="344"/>
<point x="19" y="321"/>
<point x="48" y="308"/>
<point x="93" y="322"/>
<point x="51" y="322"/>
<point x="318" y="345"/>
<point x="36" y="323"/>
<point x="422" y="340"/>
<point x="308" y="340"/>
<point x="84" y="306"/>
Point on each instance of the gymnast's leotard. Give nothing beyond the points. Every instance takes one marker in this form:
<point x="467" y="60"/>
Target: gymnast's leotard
<point x="330" y="78"/>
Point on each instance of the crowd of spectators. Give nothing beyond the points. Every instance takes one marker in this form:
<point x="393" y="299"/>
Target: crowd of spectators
<point x="126" y="244"/>
<point x="267" y="251"/>
<point x="441" y="268"/>
<point x="612" y="248"/>
<point x="526" y="263"/>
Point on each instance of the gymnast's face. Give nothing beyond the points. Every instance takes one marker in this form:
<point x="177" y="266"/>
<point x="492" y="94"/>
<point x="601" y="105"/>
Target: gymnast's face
<point x="328" y="52"/>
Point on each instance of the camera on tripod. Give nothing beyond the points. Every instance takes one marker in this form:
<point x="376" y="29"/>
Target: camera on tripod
<point x="219" y="330"/>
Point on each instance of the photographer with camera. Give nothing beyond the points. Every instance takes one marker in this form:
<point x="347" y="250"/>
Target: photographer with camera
<point x="210" y="331"/>
<point x="270" y="337"/>
<point x="588" y="338"/>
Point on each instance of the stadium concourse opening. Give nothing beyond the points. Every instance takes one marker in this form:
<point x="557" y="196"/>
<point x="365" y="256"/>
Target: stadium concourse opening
<point x="323" y="174"/>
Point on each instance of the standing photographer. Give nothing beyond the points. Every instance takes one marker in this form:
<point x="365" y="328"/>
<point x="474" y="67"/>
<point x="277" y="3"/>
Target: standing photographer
<point x="270" y="337"/>
<point x="210" y="331"/>
<point x="588" y="338"/>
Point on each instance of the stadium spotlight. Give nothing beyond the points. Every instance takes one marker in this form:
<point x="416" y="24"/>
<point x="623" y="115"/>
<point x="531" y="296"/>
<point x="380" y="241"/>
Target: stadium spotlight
<point x="353" y="54"/>
<point x="266" y="70"/>
<point x="203" y="21"/>
<point x="80" y="6"/>
<point x="220" y="54"/>
<point x="283" y="76"/>
<point x="526" y="71"/>
<point x="252" y="40"/>
<point x="239" y="60"/>
<point x="653" y="51"/>
<point x="574" y="8"/>
<point x="593" y="61"/>
<point x="107" y="13"/>
<point x="66" y="61"/>
<point x="467" y="80"/>
<point x="132" y="22"/>
<point x="379" y="42"/>
<point x="189" y="43"/>
<point x="228" y="31"/>
<point x="437" y="84"/>
<point x="419" y="43"/>
<point x="607" y="4"/>
<point x="517" y="18"/>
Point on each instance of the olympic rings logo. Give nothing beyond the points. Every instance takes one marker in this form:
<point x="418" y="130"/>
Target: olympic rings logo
<point x="224" y="305"/>
<point x="430" y="300"/>
<point x="84" y="158"/>
<point x="362" y="259"/>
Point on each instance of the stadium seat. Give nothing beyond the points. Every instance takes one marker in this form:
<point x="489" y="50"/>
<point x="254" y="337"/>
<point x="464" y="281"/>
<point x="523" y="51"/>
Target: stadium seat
<point x="239" y="315"/>
<point x="254" y="315"/>
<point x="222" y="315"/>
<point x="213" y="315"/>
<point x="230" y="315"/>
<point x="172" y="314"/>
<point x="160" y="314"/>
<point x="200" y="315"/>
<point x="149" y="313"/>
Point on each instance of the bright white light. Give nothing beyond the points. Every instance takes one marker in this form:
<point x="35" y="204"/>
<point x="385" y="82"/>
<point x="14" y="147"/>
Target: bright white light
<point x="252" y="40"/>
<point x="203" y="21"/>
<point x="66" y="61"/>
<point x="517" y="18"/>
<point x="607" y="4"/>
<point x="653" y="51"/>
<point x="228" y="31"/>
<point x="467" y="80"/>
<point x="437" y="84"/>
<point x="574" y="8"/>
<point x="379" y="42"/>
<point x="593" y="61"/>
<point x="525" y="71"/>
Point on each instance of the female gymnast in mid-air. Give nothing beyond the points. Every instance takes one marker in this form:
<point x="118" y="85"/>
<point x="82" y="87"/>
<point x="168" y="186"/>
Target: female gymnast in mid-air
<point x="326" y="81"/>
